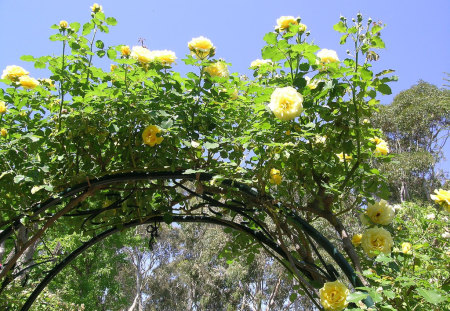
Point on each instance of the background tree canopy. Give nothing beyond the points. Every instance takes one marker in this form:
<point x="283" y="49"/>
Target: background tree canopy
<point x="416" y="125"/>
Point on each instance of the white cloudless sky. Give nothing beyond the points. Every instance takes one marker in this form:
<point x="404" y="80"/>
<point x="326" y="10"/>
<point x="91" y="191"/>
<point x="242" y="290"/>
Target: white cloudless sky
<point x="417" y="33"/>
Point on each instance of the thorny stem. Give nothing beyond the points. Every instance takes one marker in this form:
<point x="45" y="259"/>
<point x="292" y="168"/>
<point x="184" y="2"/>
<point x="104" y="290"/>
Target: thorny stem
<point x="61" y="86"/>
<point x="90" y="57"/>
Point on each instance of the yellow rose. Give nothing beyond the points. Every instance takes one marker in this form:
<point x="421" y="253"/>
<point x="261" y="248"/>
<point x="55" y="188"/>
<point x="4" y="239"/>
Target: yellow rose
<point x="113" y="67"/>
<point x="3" y="132"/>
<point x="442" y="198"/>
<point x="142" y="55"/>
<point x="286" y="103"/>
<point x="260" y="62"/>
<point x="284" y="22"/>
<point x="201" y="47"/>
<point x="149" y="135"/>
<point x="13" y="73"/>
<point x="376" y="239"/>
<point x="165" y="57"/>
<point x="301" y="27"/>
<point x="63" y="24"/>
<point x="125" y="50"/>
<point x="380" y="213"/>
<point x="327" y="56"/>
<point x="376" y="140"/>
<point x="28" y="82"/>
<point x="381" y="146"/>
<point x="356" y="239"/>
<point x="333" y="296"/>
<point x="348" y="158"/>
<point x="275" y="176"/>
<point x="406" y="247"/>
<point x="96" y="8"/>
<point x="218" y="69"/>
<point x="2" y="107"/>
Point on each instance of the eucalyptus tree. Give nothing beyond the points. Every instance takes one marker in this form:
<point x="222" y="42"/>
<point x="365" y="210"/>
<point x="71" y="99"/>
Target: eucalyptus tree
<point x="417" y="126"/>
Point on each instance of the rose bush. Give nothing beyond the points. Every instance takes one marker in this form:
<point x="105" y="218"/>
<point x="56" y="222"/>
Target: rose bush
<point x="144" y="116"/>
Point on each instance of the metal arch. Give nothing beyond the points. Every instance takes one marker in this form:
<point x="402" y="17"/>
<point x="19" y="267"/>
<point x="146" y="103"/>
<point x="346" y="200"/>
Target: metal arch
<point x="193" y="218"/>
<point x="106" y="180"/>
<point x="260" y="236"/>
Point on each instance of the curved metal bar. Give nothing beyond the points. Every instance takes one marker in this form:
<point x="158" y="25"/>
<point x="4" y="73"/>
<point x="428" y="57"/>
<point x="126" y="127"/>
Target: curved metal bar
<point x="199" y="219"/>
<point x="333" y="252"/>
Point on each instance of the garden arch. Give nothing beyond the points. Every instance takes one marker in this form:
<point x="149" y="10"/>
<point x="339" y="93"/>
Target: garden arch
<point x="206" y="199"/>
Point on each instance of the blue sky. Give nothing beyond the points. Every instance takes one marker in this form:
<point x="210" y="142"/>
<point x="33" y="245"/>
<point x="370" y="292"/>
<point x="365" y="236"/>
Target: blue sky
<point x="417" y="33"/>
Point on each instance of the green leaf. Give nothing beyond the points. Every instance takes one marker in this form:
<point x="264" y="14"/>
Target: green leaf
<point x="375" y="171"/>
<point x="432" y="296"/>
<point x="18" y="178"/>
<point x="99" y="44"/>
<point x="356" y="296"/>
<point x="270" y="38"/>
<point x="375" y="296"/>
<point x="376" y="29"/>
<point x="75" y="26"/>
<point x="383" y="258"/>
<point x="5" y="173"/>
<point x="389" y="294"/>
<point x="343" y="39"/>
<point x="191" y="171"/>
<point x="304" y="66"/>
<point x="87" y="29"/>
<point x="101" y="53"/>
<point x="74" y="45"/>
<point x="100" y="16"/>
<point x="340" y="27"/>
<point x="34" y="138"/>
<point x="40" y="65"/>
<point x="192" y="76"/>
<point x="112" y="54"/>
<point x="27" y="58"/>
<point x="167" y="124"/>
<point x="271" y="52"/>
<point x="209" y="145"/>
<point x="104" y="28"/>
<point x="283" y="44"/>
<point x="366" y="74"/>
<point x="377" y="42"/>
<point x="111" y="21"/>
<point x="352" y="29"/>
<point x="36" y="189"/>
<point x="384" y="89"/>
<point x="88" y="109"/>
